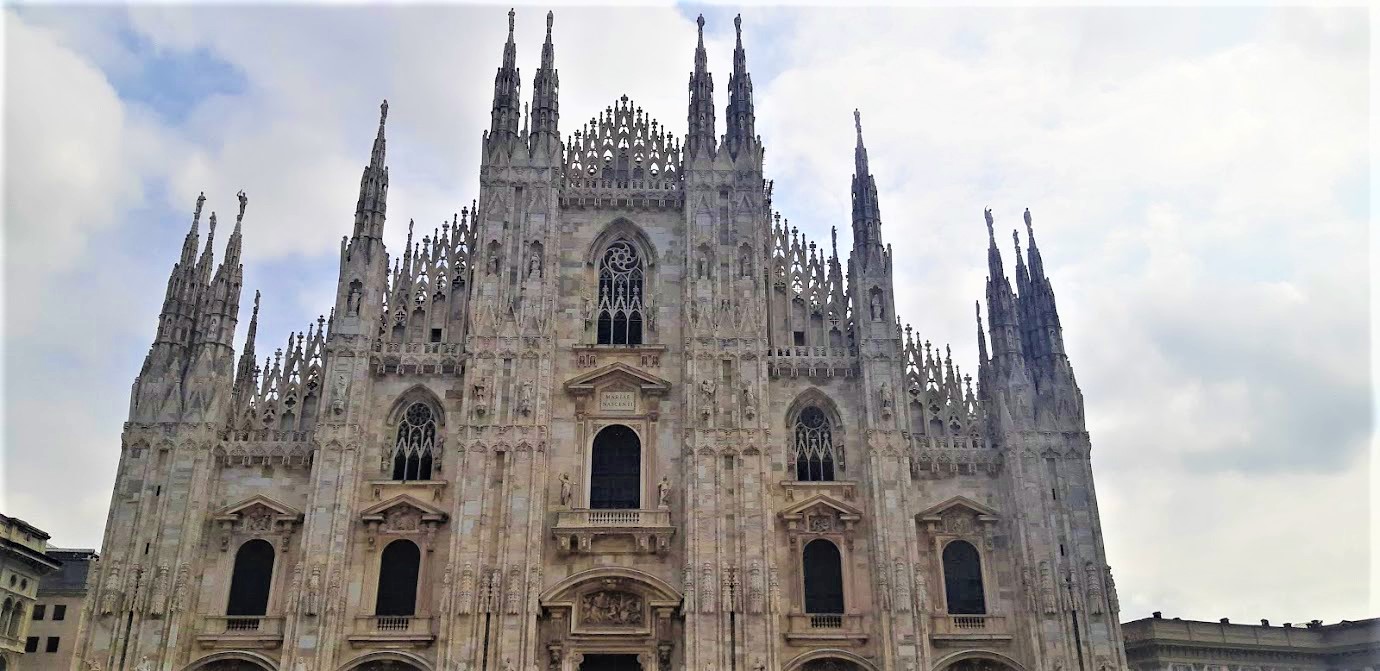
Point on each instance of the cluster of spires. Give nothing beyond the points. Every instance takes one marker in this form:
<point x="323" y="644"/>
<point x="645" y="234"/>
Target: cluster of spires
<point x="431" y="270"/>
<point x="798" y="262"/>
<point x="284" y="394"/>
<point x="622" y="143"/>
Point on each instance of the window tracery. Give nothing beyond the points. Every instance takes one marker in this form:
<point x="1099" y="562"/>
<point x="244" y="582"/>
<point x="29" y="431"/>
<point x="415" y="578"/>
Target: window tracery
<point x="620" y="307"/>
<point x="414" y="447"/>
<point x="812" y="447"/>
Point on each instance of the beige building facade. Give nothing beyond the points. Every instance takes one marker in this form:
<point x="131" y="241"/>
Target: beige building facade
<point x="1158" y="644"/>
<point x="614" y="415"/>
<point x="56" y="617"/>
<point x="23" y="563"/>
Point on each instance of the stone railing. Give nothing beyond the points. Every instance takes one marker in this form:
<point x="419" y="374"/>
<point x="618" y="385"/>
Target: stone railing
<point x="392" y="630"/>
<point x="577" y="531"/>
<point x="247" y="631"/>
<point x="842" y="628"/>
<point x="969" y="626"/>
<point x="812" y="361"/>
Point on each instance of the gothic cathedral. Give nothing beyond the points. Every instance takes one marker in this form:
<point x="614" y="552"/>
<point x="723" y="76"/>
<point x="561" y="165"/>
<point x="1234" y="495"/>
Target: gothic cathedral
<point x="612" y="416"/>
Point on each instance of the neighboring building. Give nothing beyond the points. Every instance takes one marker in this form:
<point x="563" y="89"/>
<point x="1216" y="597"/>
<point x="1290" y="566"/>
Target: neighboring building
<point x="1157" y="644"/>
<point x="22" y="565"/>
<point x="617" y="415"/>
<point x="57" y="616"/>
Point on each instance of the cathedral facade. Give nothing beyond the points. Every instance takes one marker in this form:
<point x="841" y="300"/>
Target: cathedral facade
<point x="614" y="415"/>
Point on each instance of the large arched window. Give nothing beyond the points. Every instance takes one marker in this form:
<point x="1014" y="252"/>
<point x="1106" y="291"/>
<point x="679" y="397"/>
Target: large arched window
<point x="620" y="295"/>
<point x="615" y="474"/>
<point x="823" y="571"/>
<point x="251" y="580"/>
<point x="963" y="579"/>
<point x="416" y="439"/>
<point x="398" y="569"/>
<point x="812" y="446"/>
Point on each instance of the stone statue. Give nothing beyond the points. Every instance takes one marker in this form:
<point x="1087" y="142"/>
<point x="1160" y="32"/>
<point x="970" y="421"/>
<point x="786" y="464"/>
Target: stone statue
<point x="567" y="489"/>
<point x="352" y="300"/>
<point x="663" y="492"/>
<point x="707" y="389"/>
<point x="888" y="402"/>
<point x="525" y="397"/>
<point x="534" y="264"/>
<point x="144" y="664"/>
<point x="877" y="313"/>
<point x="313" y="600"/>
<point x="338" y="390"/>
<point x="749" y="402"/>
<point x="481" y="399"/>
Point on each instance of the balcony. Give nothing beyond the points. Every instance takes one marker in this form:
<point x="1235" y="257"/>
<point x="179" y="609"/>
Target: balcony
<point x="838" y="629"/>
<point x="969" y="628"/>
<point x="620" y="531"/>
<point x="392" y="631"/>
<point x="812" y="361"/>
<point x="240" y="631"/>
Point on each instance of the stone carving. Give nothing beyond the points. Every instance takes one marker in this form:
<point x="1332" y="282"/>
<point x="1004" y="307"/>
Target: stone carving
<point x="313" y="595"/>
<point x="707" y="390"/>
<point x="294" y="594"/>
<point x="1112" y="601"/>
<point x="755" y="587"/>
<point x="884" y="594"/>
<point x="446" y="578"/>
<point x="180" y="587"/>
<point x="338" y="391"/>
<point x="902" y="586"/>
<point x="114" y="586"/>
<point x="513" y="598"/>
<point x="259" y="520"/>
<point x="610" y="608"/>
<point x="567" y="489"/>
<point x="958" y="523"/>
<point x="144" y="664"/>
<point x="1048" y="600"/>
<point x="1094" y="580"/>
<point x="525" y="397"/>
<point x="466" y="587"/>
<point x="534" y="264"/>
<point x="921" y="588"/>
<point x="663" y="493"/>
<point x="821" y="523"/>
<point x="479" y="394"/>
<point x="888" y="401"/>
<point x="876" y="307"/>
<point x="333" y="594"/>
<point x="688" y="587"/>
<point x="402" y="518"/>
<point x="773" y="589"/>
<point x="352" y="299"/>
<point x="89" y="664"/>
<point x="749" y="402"/>
<point x="158" y="600"/>
<point x="706" y="589"/>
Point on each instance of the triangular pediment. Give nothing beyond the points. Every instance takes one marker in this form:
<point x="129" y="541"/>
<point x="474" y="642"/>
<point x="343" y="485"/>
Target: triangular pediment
<point x="381" y="510"/>
<point x="279" y="510"/>
<point x="960" y="502"/>
<point x="824" y="501"/>
<point x="617" y="373"/>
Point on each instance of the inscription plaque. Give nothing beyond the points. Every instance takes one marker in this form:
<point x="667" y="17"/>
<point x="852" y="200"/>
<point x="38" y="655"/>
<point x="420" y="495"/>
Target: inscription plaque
<point x="618" y="401"/>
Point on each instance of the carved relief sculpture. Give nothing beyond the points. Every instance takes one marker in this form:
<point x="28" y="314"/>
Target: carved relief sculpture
<point x="608" y="608"/>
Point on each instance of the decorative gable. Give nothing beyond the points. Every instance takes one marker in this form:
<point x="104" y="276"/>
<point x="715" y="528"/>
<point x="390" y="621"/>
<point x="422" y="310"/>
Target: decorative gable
<point x="821" y="515"/>
<point x="959" y="516"/>
<point x="257" y="516"/>
<point x="402" y="515"/>
<point x="617" y="389"/>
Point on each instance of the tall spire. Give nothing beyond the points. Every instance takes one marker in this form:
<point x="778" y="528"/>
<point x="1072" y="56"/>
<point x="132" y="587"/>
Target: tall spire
<point x="545" y="103"/>
<point x="867" y="217"/>
<point x="505" y="108"/>
<point x="1037" y="264"/>
<point x="244" y="374"/>
<point x="373" y="187"/>
<point x="700" y="121"/>
<point x="739" y="118"/>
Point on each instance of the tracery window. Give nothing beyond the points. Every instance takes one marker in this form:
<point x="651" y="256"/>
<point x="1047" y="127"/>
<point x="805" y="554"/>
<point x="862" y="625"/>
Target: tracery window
<point x="415" y="443"/>
<point x="963" y="579"/>
<point x="620" y="295"/>
<point x="812" y="447"/>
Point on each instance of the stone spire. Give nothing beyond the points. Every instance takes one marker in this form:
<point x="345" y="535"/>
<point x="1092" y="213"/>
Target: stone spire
<point x="739" y="118"/>
<point x="372" y="207"/>
<point x="506" y="109"/>
<point x="545" y="101"/>
<point x="700" y="121"/>
<point x="245" y="379"/>
<point x="179" y="301"/>
<point x="867" y="217"/>
<point x="1003" y="317"/>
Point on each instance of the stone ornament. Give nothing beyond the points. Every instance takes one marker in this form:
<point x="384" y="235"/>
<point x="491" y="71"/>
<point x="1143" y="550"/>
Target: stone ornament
<point x="611" y="608"/>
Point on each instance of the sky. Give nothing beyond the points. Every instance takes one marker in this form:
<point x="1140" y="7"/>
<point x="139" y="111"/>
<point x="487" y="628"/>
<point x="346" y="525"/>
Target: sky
<point x="1199" y="181"/>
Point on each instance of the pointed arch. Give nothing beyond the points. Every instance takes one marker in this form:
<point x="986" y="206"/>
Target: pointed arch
<point x="417" y="393"/>
<point x="814" y="430"/>
<point x="621" y="228"/>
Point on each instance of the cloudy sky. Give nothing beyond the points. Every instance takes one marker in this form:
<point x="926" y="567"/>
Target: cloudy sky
<point x="1199" y="181"/>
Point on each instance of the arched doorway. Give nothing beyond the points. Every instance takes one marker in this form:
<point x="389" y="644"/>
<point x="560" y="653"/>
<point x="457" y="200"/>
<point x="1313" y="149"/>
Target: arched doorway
<point x="615" y="472"/>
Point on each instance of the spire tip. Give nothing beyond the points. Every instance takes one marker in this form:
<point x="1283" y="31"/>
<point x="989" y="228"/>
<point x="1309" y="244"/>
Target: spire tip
<point x="550" y="19"/>
<point x="512" y="22"/>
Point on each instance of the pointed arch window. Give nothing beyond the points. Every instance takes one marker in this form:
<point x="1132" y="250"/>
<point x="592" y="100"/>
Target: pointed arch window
<point x="963" y="579"/>
<point x="620" y="311"/>
<point x="399" y="566"/>
<point x="822" y="567"/>
<point x="251" y="580"/>
<point x="415" y="444"/>
<point x="812" y="446"/>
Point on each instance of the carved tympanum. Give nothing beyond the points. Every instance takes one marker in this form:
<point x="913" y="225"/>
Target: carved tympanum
<point x="611" y="609"/>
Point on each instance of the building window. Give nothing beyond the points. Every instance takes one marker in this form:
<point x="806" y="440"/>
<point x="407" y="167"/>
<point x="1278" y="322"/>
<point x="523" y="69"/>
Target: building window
<point x="39" y="611"/>
<point x="59" y="612"/>
<point x="963" y="579"/>
<point x="416" y="439"/>
<point x="31" y="644"/>
<point x="620" y="295"/>
<point x="812" y="447"/>
<point x="53" y="643"/>
<point x="615" y="474"/>
<point x="823" y="570"/>
<point x="398" y="569"/>
<point x="251" y="580"/>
